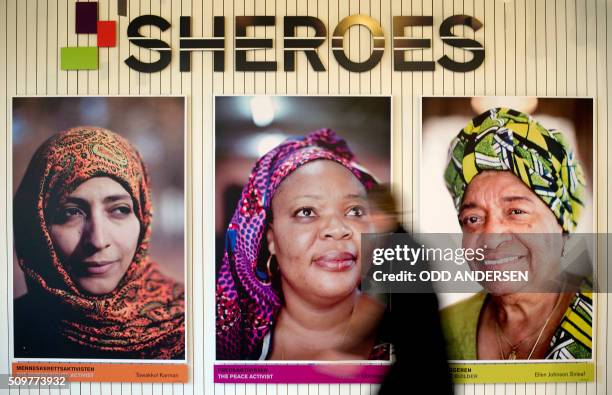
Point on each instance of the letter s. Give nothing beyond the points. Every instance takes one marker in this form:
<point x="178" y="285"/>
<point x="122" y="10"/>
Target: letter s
<point x="480" y="254"/>
<point x="165" y="54"/>
<point x="473" y="46"/>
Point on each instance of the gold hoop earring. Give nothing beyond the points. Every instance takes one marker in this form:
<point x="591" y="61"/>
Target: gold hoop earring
<point x="268" y="262"/>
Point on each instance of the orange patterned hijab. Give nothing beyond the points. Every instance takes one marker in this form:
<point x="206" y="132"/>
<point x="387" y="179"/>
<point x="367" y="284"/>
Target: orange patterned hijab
<point x="144" y="316"/>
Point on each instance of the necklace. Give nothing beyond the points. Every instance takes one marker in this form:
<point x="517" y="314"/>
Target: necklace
<point x="513" y="347"/>
<point x="512" y="355"/>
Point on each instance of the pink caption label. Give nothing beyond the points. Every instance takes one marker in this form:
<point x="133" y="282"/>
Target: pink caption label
<point x="301" y="374"/>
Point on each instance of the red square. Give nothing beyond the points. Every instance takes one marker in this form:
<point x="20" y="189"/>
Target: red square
<point x="107" y="34"/>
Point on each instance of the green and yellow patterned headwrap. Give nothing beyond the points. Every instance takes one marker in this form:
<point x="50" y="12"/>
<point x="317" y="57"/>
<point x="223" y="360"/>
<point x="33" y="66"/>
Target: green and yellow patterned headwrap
<point x="508" y="140"/>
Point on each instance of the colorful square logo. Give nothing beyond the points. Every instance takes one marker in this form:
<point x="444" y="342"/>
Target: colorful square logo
<point x="86" y="22"/>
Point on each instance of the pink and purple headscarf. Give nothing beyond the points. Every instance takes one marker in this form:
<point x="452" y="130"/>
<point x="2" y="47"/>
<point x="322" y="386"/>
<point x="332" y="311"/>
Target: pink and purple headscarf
<point x="247" y="301"/>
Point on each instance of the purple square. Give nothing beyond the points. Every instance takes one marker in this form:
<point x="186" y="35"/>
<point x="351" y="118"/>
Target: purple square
<point x="86" y="17"/>
<point x="122" y="7"/>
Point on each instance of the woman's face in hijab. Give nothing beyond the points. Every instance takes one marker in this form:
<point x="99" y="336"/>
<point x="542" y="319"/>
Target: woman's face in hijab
<point x="319" y="213"/>
<point x="517" y="230"/>
<point x="95" y="232"/>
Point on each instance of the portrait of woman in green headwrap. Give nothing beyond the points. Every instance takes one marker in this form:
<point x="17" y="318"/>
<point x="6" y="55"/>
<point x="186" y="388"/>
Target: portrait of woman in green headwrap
<point x="519" y="192"/>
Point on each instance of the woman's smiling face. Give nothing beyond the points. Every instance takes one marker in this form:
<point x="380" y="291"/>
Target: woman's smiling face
<point x="95" y="232"/>
<point x="517" y="230"/>
<point x="319" y="213"/>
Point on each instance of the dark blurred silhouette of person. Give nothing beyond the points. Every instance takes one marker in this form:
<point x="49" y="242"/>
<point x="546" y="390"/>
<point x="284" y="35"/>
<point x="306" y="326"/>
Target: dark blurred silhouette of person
<point x="412" y="323"/>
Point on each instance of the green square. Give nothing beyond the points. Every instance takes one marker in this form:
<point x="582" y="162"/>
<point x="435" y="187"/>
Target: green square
<point x="79" y="58"/>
